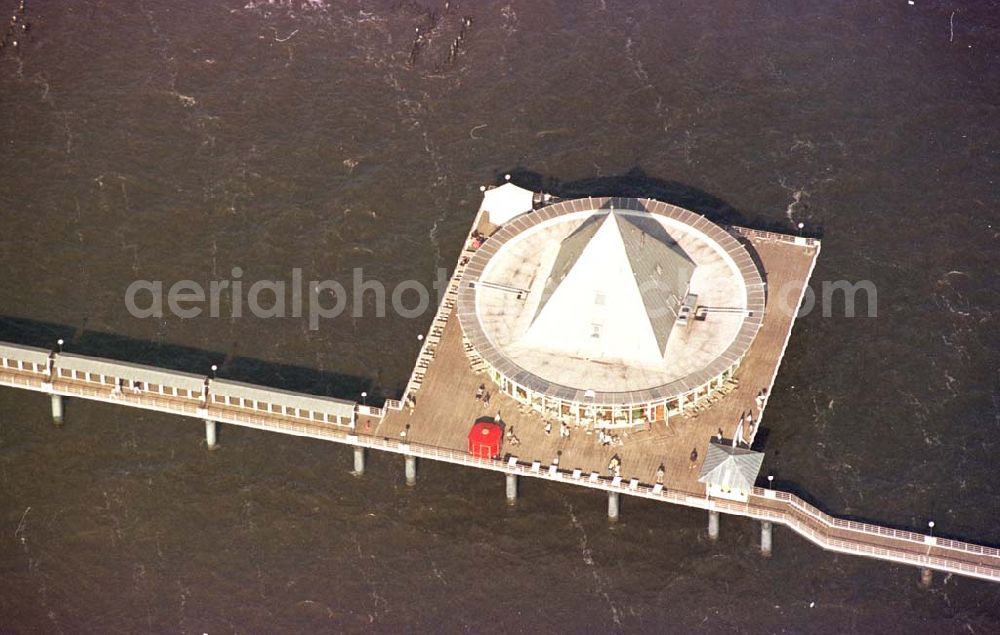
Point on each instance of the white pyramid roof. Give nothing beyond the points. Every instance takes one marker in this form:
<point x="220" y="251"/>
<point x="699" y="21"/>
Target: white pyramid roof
<point x="612" y="293"/>
<point x="507" y="201"/>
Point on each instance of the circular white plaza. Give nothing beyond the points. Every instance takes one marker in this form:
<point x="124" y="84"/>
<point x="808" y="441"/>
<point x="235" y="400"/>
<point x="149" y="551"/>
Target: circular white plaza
<point x="610" y="309"/>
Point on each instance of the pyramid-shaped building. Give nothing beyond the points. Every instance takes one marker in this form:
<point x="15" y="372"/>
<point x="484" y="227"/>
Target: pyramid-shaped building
<point x="613" y="292"/>
<point x="613" y="310"/>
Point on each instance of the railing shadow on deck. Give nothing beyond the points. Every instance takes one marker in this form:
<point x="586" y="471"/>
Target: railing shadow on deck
<point x="185" y="359"/>
<point x="636" y="183"/>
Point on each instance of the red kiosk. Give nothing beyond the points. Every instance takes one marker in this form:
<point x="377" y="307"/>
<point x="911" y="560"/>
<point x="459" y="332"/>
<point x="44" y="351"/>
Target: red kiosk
<point x="485" y="438"/>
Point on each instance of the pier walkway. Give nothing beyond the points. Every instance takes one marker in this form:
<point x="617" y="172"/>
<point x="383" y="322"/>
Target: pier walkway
<point x="435" y="423"/>
<point x="30" y="369"/>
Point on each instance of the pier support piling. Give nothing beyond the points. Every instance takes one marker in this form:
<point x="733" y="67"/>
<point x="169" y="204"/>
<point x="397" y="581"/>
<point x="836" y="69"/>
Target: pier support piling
<point x="57" y="410"/>
<point x="765" y="538"/>
<point x="713" y="524"/>
<point x="411" y="470"/>
<point x="210" y="438"/>
<point x="512" y="489"/>
<point x="926" y="577"/>
<point x="359" y="461"/>
<point x="613" y="506"/>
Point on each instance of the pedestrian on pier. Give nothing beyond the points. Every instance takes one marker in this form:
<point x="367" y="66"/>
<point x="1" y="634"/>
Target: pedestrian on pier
<point x="615" y="465"/>
<point x="480" y="391"/>
<point x="486" y="400"/>
<point x="660" y="471"/>
<point x="548" y="427"/>
<point x="694" y="458"/>
<point x="761" y="397"/>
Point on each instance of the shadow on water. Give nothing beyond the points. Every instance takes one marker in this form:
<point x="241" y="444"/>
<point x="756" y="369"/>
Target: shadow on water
<point x="182" y="358"/>
<point x="794" y="487"/>
<point x="637" y="184"/>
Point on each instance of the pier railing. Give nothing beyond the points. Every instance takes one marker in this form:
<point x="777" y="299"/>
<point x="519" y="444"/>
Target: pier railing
<point x="773" y="236"/>
<point x="371" y="411"/>
<point x="797" y="504"/>
<point x="428" y="348"/>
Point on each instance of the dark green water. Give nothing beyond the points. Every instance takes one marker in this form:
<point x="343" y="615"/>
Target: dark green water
<point x="177" y="140"/>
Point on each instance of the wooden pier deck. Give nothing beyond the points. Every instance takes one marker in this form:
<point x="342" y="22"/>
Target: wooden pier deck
<point x="446" y="406"/>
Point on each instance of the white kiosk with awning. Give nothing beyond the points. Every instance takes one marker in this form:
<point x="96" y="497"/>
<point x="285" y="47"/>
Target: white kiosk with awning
<point x="507" y="201"/>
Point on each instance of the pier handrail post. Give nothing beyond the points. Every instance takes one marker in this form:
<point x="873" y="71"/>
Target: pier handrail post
<point x="411" y="470"/>
<point x="766" y="528"/>
<point x="210" y="434"/>
<point x="57" y="409"/>
<point x="713" y="524"/>
<point x="511" y="489"/>
<point x="359" y="461"/>
<point x="926" y="577"/>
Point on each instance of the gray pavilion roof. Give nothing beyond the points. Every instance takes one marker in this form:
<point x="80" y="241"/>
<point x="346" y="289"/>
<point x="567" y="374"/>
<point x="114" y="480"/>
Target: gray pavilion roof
<point x="730" y="468"/>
